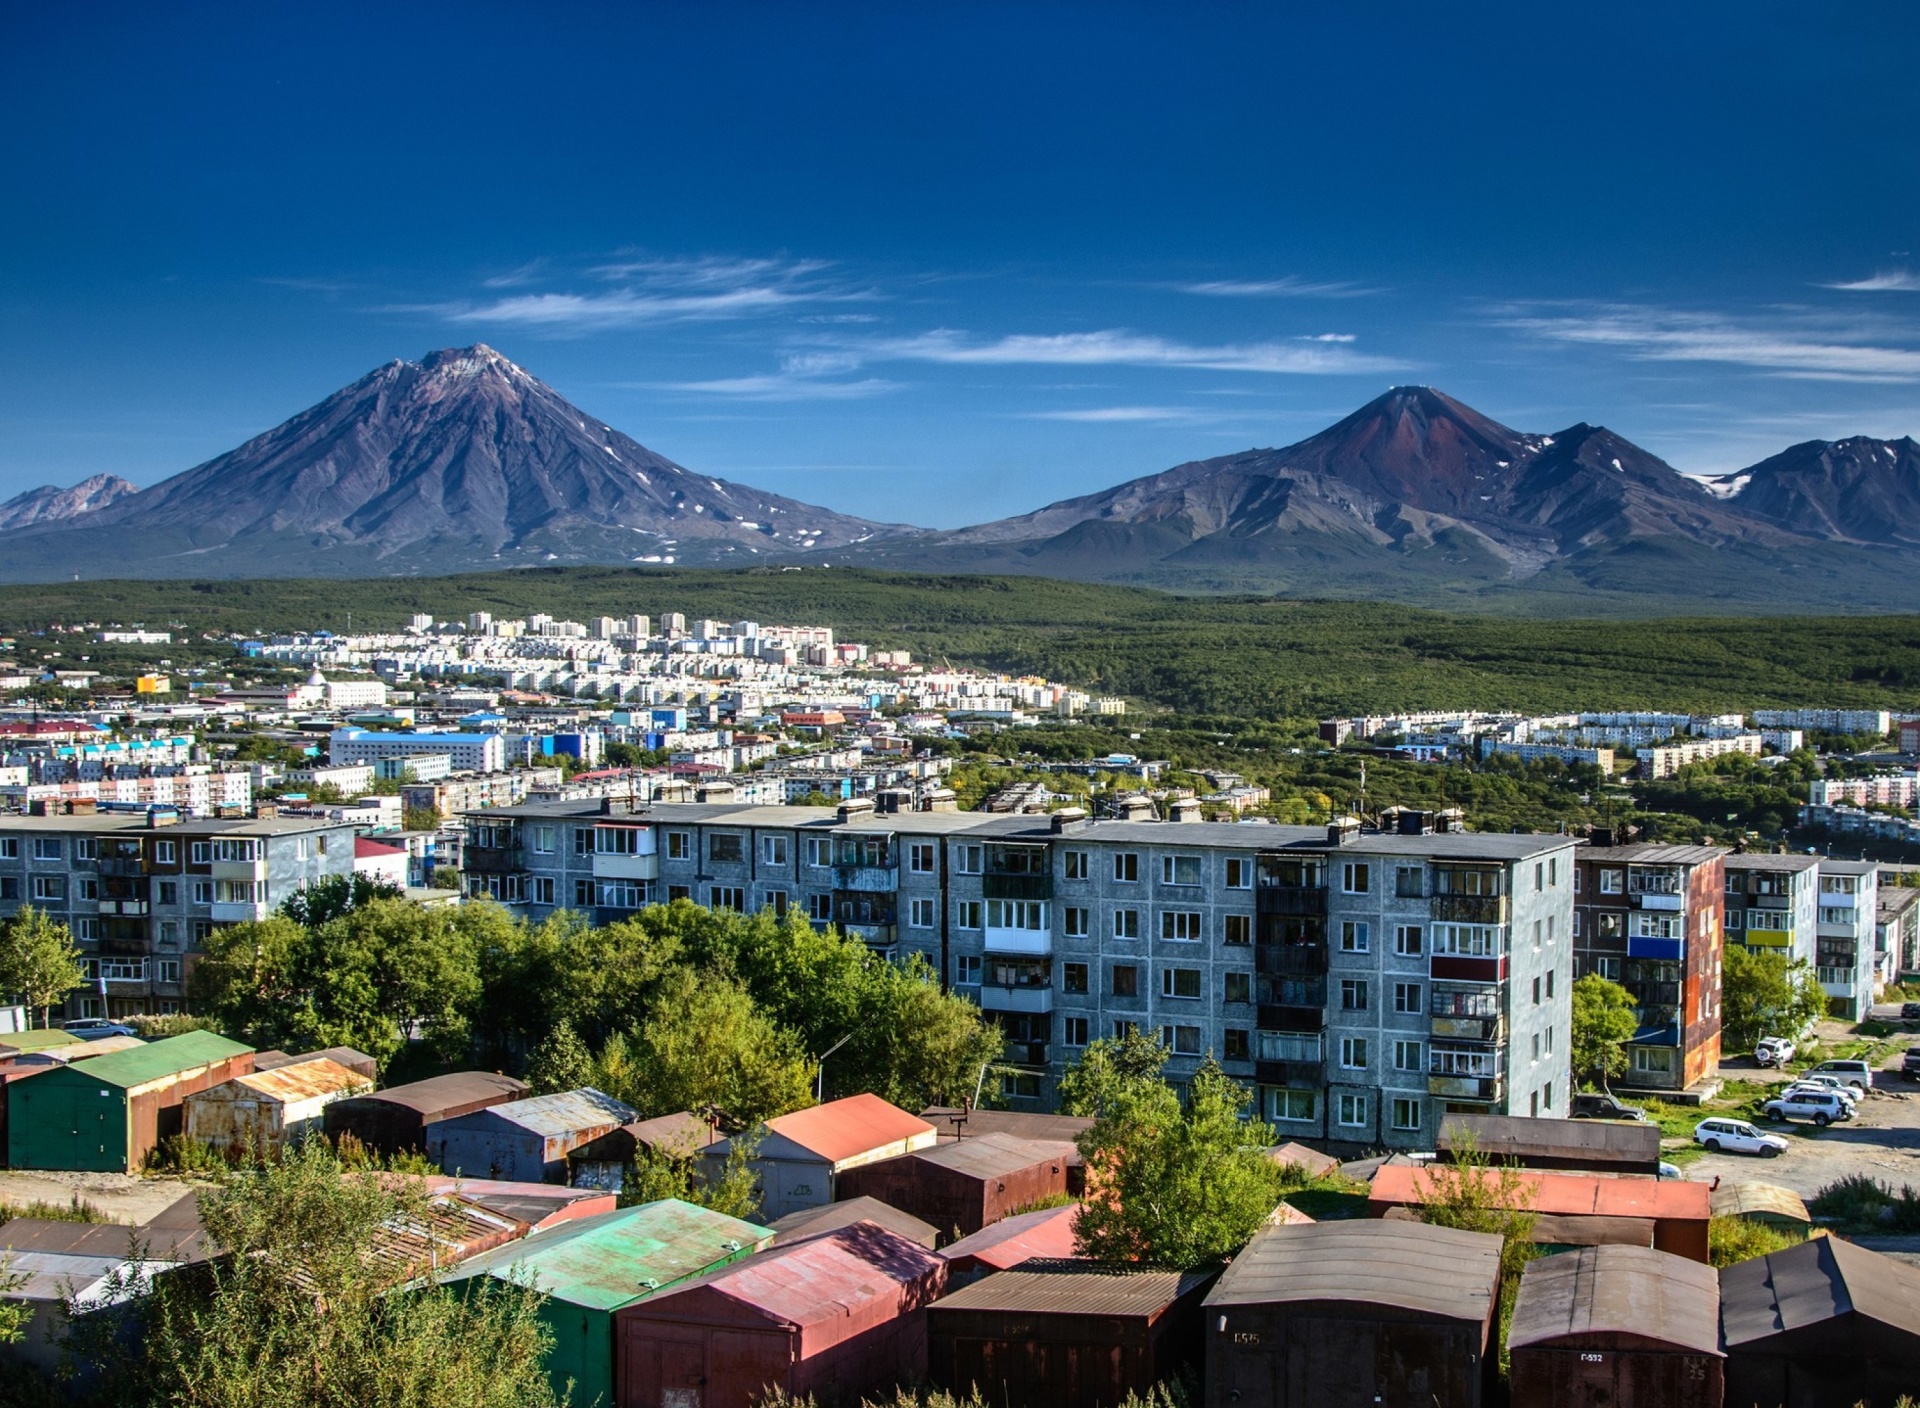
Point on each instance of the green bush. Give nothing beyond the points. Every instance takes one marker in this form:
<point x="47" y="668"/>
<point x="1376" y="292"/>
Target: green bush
<point x="156" y="1026"/>
<point x="1860" y="1203"/>
<point x="74" y="1211"/>
<point x="1731" y="1239"/>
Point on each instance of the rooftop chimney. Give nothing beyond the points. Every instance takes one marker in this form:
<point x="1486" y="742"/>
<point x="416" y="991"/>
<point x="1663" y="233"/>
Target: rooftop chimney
<point x="1135" y="808"/>
<point x="1068" y="819"/>
<point x="1184" y="809"/>
<point x="855" y="807"/>
<point x="1343" y="831"/>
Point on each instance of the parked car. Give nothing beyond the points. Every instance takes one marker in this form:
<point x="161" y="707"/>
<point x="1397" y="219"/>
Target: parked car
<point x="1857" y="1074"/>
<point x="1846" y="1092"/>
<point x="1668" y="1170"/>
<point x="1910" y="1011"/>
<point x="1594" y="1106"/>
<point x="1823" y="1107"/>
<point x="1910" y="1063"/>
<point x="1774" y="1051"/>
<point x="1737" y="1137"/>
<point x="93" y="1028"/>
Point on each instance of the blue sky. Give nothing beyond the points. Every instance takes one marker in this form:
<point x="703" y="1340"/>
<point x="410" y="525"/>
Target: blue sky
<point x="938" y="263"/>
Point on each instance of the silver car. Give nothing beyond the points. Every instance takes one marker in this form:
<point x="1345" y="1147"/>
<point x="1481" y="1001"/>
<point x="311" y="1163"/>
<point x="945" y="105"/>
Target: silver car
<point x="1823" y="1107"/>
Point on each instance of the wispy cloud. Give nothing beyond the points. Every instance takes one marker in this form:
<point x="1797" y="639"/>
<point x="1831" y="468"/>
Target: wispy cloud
<point x="1117" y="347"/>
<point x="1884" y="281"/>
<point x="1789" y="346"/>
<point x="803" y="376"/>
<point x="327" y="286"/>
<point x="516" y="278"/>
<point x="643" y="290"/>
<point x="1101" y="415"/>
<point x="1289" y="286"/>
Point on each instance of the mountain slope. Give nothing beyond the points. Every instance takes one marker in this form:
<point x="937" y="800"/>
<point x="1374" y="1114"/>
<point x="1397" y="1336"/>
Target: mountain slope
<point x="51" y="504"/>
<point x="459" y="460"/>
<point x="1858" y="489"/>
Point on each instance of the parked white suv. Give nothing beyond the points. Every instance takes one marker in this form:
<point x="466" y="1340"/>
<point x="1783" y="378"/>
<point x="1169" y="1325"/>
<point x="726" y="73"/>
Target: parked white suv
<point x="1821" y="1080"/>
<point x="1773" y="1051"/>
<point x="1857" y="1074"/>
<point x="1737" y="1137"/>
<point x="1823" y="1107"/>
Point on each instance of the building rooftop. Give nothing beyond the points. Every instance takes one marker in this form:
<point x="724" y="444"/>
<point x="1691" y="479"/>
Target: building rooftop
<point x="1651" y="853"/>
<point x="1437" y="1271"/>
<point x="302" y="1080"/>
<point x="157" y="1060"/>
<point x="811" y="1222"/>
<point x="989" y="1156"/>
<point x="1075" y="1288"/>
<point x="1618" y="1291"/>
<point x="563" y="1113"/>
<point x="1765" y="1200"/>
<point x="1520" y="1137"/>
<point x="1819" y="1280"/>
<point x="1830" y="866"/>
<point x="822" y="1279"/>
<point x="842" y="1129"/>
<point x="1570" y="1193"/>
<point x="1752" y="860"/>
<point x="441" y="1092"/>
<point x="1048" y="1233"/>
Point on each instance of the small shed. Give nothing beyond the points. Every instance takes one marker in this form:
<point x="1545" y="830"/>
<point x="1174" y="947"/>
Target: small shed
<point x="1045" y="1235"/>
<point x="964" y="1186"/>
<point x="264" y="1112"/>
<point x="587" y="1269"/>
<point x="1066" y="1334"/>
<point x="966" y="1123"/>
<point x="1354" y="1314"/>
<point x="340" y="1055"/>
<point x="811" y="1222"/>
<point x="1315" y="1163"/>
<point x="525" y="1140"/>
<point x="837" y="1316"/>
<point x="395" y="1120"/>
<point x="37" y="1039"/>
<point x="800" y="1156"/>
<point x="1778" y="1207"/>
<point x="605" y="1162"/>
<point x="539" y="1205"/>
<point x="1679" y="1210"/>
<point x="1628" y="1327"/>
<point x="1591" y="1146"/>
<point x="1825" y="1324"/>
<point x="104" y="1115"/>
<point x="67" y="1053"/>
<point x="94" y="1281"/>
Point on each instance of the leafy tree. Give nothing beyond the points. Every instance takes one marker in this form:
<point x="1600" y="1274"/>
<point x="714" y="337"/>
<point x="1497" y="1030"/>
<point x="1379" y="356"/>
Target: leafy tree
<point x="1107" y="1068"/>
<point x="1477" y="1194"/>
<point x="733" y="1188"/>
<point x="561" y="1062"/>
<point x="420" y="819"/>
<point x="1168" y="1186"/>
<point x="333" y="896"/>
<point x="913" y="1044"/>
<point x="1765" y="994"/>
<point x="1604" y="1021"/>
<point x="297" y="1311"/>
<point x="38" y="960"/>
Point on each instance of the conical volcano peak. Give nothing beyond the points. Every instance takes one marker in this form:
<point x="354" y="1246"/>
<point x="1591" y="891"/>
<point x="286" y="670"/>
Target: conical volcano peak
<point x="477" y="360"/>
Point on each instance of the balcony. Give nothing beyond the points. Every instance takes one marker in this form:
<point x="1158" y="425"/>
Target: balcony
<point x="1294" y="1073"/>
<point x="1028" y="943"/>
<point x="133" y="909"/>
<point x="1469" y="909"/>
<point x="494" y="860"/>
<point x="1290" y="960"/>
<point x="866" y="879"/>
<point x="1447" y="967"/>
<point x="1302" y="900"/>
<point x="238" y="870"/>
<point x="1289" y="1017"/>
<point x="124" y="867"/>
<point x="1487" y="1089"/>
<point x="609" y="866"/>
<point x="1024" y="1053"/>
<point x="1662" y="950"/>
<point x="1488" y="1029"/>
<point x="1016" y="887"/>
<point x="1653" y="901"/>
<point x="231" y="913"/>
<point x="872" y="935"/>
<point x="994" y="997"/>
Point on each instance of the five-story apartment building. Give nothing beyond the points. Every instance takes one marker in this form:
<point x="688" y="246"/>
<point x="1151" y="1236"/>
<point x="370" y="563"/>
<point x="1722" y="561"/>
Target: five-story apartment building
<point x="1844" y="935"/>
<point x="1366" y="982"/>
<point x="1772" y="903"/>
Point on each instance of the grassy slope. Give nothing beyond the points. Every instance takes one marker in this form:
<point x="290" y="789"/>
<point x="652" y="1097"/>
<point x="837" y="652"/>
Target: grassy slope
<point x="1229" y="656"/>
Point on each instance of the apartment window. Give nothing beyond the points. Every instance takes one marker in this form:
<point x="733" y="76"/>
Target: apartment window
<point x="616" y="841"/>
<point x="1553" y="870"/>
<point x="583" y="894"/>
<point x="200" y="930"/>
<point x="727" y="897"/>
<point x="1353" y="1111"/>
<point x="1406" y="1056"/>
<point x="1237" y="987"/>
<point x="724" y="848"/>
<point x="1074" y="865"/>
<point x="1577" y="885"/>
<point x="1406" y="1113"/>
<point x="582" y="840"/>
<point x="1539" y="876"/>
<point x="920" y="912"/>
<point x="1353" y="994"/>
<point x="1180" y="925"/>
<point x="164" y="853"/>
<point x="170" y="934"/>
<point x="1126" y="867"/>
<point x="820" y="908"/>
<point x="1237" y="929"/>
<point x="1736" y="918"/>
<point x="1613" y="882"/>
<point x="86" y="930"/>
<point x="1353" y="937"/>
<point x="199" y="852"/>
<point x="1409" y="882"/>
<point x="1653" y="1060"/>
<point x="542" y="839"/>
<point x="1180" y="982"/>
<point x="969" y="860"/>
<point x="1549" y="1036"/>
<point x="1122" y="1029"/>
<point x="1406" y="997"/>
<point x="777" y="902"/>
<point x="1239" y="873"/>
<point x="1293" y="1106"/>
<point x="1239" y="1044"/>
<point x="1016" y="914"/>
<point x="1355" y="877"/>
<point x="1075" y="921"/>
<point x="1353" y="1053"/>
<point x="1549" y="982"/>
<point x="1466" y="940"/>
<point x="1126" y="980"/>
<point x="542" y="889"/>
<point x="49" y="887"/>
<point x="1126" y="923"/>
<point x="920" y="858"/>
<point x="85" y="887"/>
<point x="1576" y="923"/>
<point x="1536" y="1046"/>
<point x="966" y="970"/>
<point x="1608" y="968"/>
<point x="83" y="848"/>
<point x="1073" y="1031"/>
<point x="9" y="848"/>
<point x="1552" y="919"/>
<point x="46" y="848"/>
<point x="773" y="851"/>
<point x="679" y="845"/>
<point x="1536" y="991"/>
<point x="1179" y="870"/>
<point x="1073" y="977"/>
<point x="203" y="892"/>
<point x="966" y="914"/>
<point x="1406" y="940"/>
<point x="1181" y="1040"/>
<point x="235" y="852"/>
<point x="9" y="887"/>
<point x="167" y="970"/>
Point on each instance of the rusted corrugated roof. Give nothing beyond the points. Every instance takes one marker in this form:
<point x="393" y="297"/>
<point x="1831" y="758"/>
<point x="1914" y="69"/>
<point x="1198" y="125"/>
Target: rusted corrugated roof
<point x="1440" y="1271"/>
<point x="1511" y="1137"/>
<point x="1570" y="1193"/>
<point x="815" y="1280"/>
<point x="1618" y="1291"/>
<point x="340" y="1055"/>
<point x="87" y="1050"/>
<point x="1759" y="1200"/>
<point x="53" y="1276"/>
<point x="845" y="1129"/>
<point x="1021" y="1124"/>
<point x="430" y="1097"/>
<point x="994" y="1155"/>
<point x="684" y="1130"/>
<point x="1565" y="1229"/>
<point x="303" y="1080"/>
<point x="810" y="1222"/>
<point x="161" y="1060"/>
<point x="1012" y="1240"/>
<point x="1076" y="1288"/>
<point x="567" y="1112"/>
<point x="1815" y="1282"/>
<point x="1312" y="1160"/>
